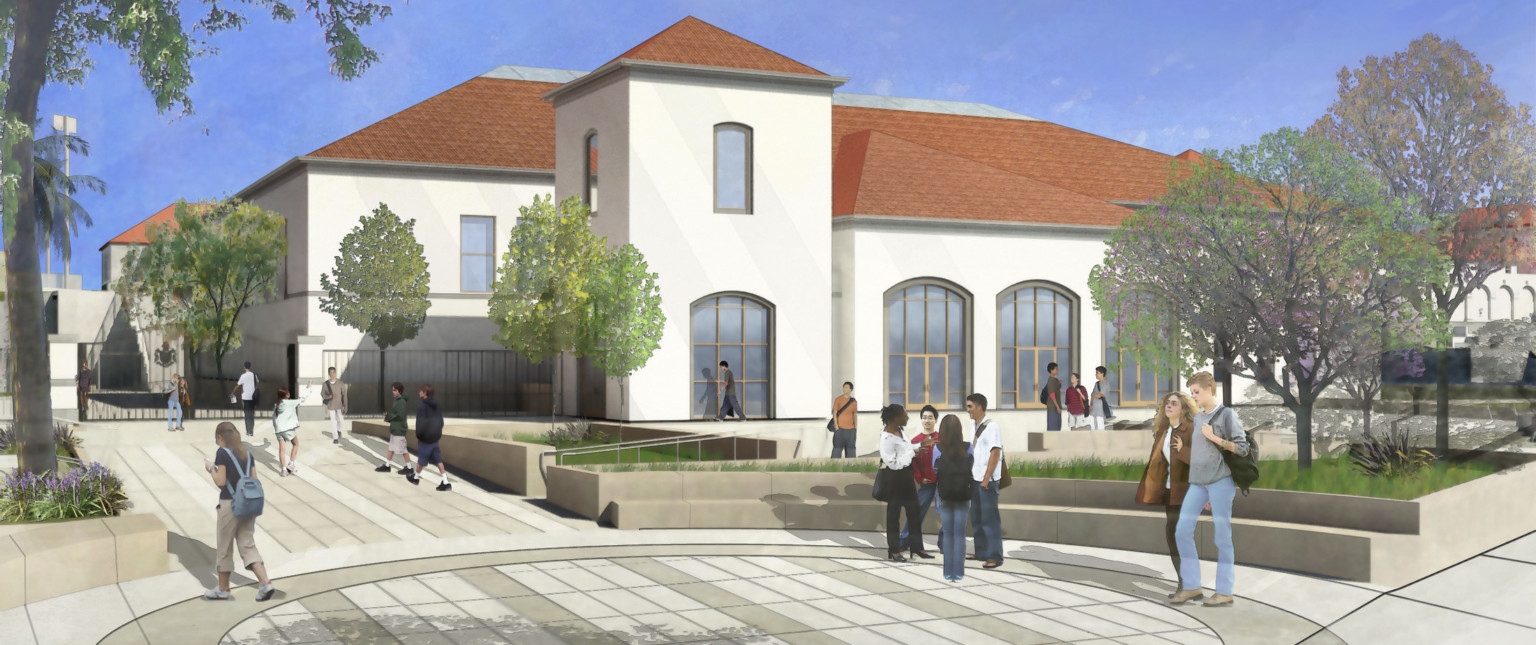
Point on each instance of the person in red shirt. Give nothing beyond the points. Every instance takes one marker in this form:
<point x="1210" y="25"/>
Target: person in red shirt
<point x="1077" y="403"/>
<point x="922" y="471"/>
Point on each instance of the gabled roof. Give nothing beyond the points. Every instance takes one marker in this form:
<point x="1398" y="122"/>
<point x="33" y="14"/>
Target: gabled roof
<point x="485" y="121"/>
<point x="139" y="234"/>
<point x="875" y="173"/>
<point x="694" y="42"/>
<point x="1084" y="163"/>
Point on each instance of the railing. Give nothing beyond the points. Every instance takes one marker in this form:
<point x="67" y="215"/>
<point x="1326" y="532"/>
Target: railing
<point x="675" y="442"/>
<point x="484" y="383"/>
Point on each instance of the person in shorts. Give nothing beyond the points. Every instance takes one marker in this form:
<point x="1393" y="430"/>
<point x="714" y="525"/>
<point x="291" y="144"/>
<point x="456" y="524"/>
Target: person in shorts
<point x="285" y="421"/>
<point x="397" y="430"/>
<point x="429" y="430"/>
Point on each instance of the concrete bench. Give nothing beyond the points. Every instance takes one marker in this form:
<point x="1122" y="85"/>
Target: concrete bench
<point x="61" y="558"/>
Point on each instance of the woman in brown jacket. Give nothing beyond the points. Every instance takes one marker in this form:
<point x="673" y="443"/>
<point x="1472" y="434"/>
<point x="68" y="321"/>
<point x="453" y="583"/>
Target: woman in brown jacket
<point x="1167" y="475"/>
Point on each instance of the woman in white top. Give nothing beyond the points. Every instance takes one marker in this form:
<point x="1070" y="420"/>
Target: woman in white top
<point x="896" y="454"/>
<point x="285" y="420"/>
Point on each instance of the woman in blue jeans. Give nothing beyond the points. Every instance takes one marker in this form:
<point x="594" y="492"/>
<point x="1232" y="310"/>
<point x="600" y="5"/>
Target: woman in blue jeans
<point x="1210" y="483"/>
<point x="173" y="404"/>
<point x="954" y="496"/>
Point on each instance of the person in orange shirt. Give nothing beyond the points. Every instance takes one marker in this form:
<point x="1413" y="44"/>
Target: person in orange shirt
<point x="845" y="410"/>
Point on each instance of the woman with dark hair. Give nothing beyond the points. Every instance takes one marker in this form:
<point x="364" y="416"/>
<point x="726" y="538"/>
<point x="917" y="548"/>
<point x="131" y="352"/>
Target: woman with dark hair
<point x="896" y="454"/>
<point x="922" y="472"/>
<point x="285" y="420"/>
<point x="233" y="463"/>
<point x="954" y="493"/>
<point x="1166" y="477"/>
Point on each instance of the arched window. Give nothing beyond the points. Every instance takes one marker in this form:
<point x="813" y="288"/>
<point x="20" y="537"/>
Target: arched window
<point x="733" y="168"/>
<point x="591" y="173"/>
<point x="1036" y="327"/>
<point x="1128" y="383"/>
<point x="926" y="345"/>
<point x="737" y="329"/>
<point x="1503" y="305"/>
<point x="1527" y="307"/>
<point x="1477" y="305"/>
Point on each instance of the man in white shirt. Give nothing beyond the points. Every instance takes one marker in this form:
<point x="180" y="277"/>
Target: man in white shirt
<point x="986" y="469"/>
<point x="246" y="386"/>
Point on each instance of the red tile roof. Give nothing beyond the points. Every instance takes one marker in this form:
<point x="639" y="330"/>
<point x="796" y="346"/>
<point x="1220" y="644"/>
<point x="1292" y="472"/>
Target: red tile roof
<point x="139" y="234"/>
<point x="879" y="174"/>
<point x="694" y="42"/>
<point x="1084" y="163"/>
<point x="491" y="122"/>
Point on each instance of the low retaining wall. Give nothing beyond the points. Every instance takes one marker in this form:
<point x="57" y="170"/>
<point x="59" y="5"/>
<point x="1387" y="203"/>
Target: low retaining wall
<point x="510" y="464"/>
<point x="45" y="561"/>
<point x="736" y="447"/>
<point x="1382" y="541"/>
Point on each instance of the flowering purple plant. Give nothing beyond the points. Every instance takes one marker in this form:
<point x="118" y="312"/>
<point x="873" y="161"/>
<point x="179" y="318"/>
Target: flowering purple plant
<point x="90" y="491"/>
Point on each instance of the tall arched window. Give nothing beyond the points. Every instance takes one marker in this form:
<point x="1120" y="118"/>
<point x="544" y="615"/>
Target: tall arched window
<point x="1503" y="305"/>
<point x="1128" y="383"/>
<point x="737" y="329"/>
<point x="1527" y="304"/>
<point x="591" y="173"/>
<point x="926" y="345"/>
<point x="1477" y="305"/>
<point x="733" y="168"/>
<point x="1036" y="327"/>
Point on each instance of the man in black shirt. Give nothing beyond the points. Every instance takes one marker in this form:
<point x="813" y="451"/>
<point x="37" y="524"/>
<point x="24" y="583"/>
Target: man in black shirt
<point x="728" y="402"/>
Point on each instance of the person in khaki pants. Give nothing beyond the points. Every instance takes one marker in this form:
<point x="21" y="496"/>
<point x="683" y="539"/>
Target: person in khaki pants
<point x="334" y="393"/>
<point x="234" y="532"/>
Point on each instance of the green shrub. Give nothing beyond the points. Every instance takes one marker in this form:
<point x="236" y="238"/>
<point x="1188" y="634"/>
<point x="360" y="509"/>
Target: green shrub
<point x="1389" y="455"/>
<point x="93" y="491"/>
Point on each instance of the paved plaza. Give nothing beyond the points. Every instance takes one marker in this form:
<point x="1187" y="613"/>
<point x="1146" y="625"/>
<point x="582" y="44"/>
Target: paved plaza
<point x="366" y="557"/>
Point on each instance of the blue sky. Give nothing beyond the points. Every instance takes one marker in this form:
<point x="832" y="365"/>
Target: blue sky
<point x="1168" y="76"/>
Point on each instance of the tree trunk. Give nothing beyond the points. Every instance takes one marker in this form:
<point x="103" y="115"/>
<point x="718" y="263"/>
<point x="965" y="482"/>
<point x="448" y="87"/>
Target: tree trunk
<point x="382" y="401"/>
<point x="33" y="23"/>
<point x="1366" y="408"/>
<point x="554" y="392"/>
<point x="1443" y="403"/>
<point x="1303" y="412"/>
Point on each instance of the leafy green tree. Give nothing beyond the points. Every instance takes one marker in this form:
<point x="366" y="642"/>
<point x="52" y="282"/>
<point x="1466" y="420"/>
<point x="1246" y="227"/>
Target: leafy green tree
<point x="1436" y="129"/>
<point x="626" y="319"/>
<point x="203" y="272"/>
<point x="380" y="283"/>
<point x="50" y="40"/>
<point x="1286" y="249"/>
<point x="541" y="298"/>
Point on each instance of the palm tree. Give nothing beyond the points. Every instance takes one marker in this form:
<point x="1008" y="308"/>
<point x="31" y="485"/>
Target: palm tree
<point x="59" y="216"/>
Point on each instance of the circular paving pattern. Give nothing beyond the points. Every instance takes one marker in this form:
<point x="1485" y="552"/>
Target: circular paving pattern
<point x="719" y="599"/>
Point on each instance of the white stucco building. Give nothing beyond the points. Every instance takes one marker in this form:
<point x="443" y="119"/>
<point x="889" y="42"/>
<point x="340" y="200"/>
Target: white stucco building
<point x="920" y="249"/>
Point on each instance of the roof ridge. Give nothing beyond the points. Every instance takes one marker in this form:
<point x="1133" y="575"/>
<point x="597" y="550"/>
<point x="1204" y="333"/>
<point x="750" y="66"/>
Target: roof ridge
<point x="694" y="42"/>
<point x="911" y="104"/>
<point x="979" y="163"/>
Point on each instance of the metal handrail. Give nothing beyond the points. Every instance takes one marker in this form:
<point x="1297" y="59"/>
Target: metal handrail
<point x="677" y="442"/>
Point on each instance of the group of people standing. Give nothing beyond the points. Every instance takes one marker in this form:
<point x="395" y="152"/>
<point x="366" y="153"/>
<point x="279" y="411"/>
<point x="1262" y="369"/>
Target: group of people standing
<point x="233" y="462"/>
<point x="1085" y="410"/>
<point x="960" y="470"/>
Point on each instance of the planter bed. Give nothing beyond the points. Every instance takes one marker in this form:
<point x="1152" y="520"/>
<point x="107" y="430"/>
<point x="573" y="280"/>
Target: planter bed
<point x="1382" y="541"/>
<point x="510" y="464"/>
<point x="52" y="559"/>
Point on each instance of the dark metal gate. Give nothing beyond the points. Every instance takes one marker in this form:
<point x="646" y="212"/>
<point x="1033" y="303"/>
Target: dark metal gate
<point x="489" y="383"/>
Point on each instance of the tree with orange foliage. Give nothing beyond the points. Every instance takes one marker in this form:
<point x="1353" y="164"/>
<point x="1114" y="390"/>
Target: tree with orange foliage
<point x="1438" y="131"/>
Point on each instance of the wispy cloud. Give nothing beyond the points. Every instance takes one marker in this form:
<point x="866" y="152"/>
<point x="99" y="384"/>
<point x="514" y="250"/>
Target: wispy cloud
<point x="1171" y="130"/>
<point x="1201" y="134"/>
<point x="1081" y="95"/>
<point x="957" y="91"/>
<point x="1137" y="137"/>
<point x="881" y="86"/>
<point x="1001" y="53"/>
<point x="1056" y="82"/>
<point x="1167" y="62"/>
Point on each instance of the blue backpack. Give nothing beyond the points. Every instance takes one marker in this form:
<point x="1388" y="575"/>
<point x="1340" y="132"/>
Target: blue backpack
<point x="247" y="495"/>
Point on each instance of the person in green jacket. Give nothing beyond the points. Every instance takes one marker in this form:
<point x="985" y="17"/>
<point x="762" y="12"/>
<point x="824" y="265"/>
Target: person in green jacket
<point x="397" y="429"/>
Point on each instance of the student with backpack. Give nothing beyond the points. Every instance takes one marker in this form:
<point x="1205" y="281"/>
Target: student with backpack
<point x="429" y="430"/>
<point x="1077" y="403"/>
<point x="240" y="501"/>
<point x="1219" y="434"/>
<point x="1098" y="404"/>
<point x="954" y="492"/>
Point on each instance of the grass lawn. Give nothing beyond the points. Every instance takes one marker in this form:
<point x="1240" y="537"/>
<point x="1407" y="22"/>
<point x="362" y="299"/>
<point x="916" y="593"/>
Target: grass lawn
<point x="688" y="452"/>
<point x="1326" y="475"/>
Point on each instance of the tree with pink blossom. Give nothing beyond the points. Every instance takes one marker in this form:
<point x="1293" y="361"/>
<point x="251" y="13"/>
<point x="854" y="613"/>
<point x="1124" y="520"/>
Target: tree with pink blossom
<point x="1285" y="251"/>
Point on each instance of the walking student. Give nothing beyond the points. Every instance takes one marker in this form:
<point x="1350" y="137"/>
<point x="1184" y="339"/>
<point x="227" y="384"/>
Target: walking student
<point x="1052" y="399"/>
<point x="955" y="489"/>
<point x="173" y="397"/>
<point x="1077" y="403"/>
<point x="1210" y="481"/>
<point x="897" y="454"/>
<point x="397" y="429"/>
<point x="285" y="420"/>
<point x="986" y="471"/>
<point x="246" y="387"/>
<point x="233" y="463"/>
<point x="1098" y="404"/>
<point x="1166" y="478"/>
<point x="922" y="472"/>
<point x="83" y="388"/>
<point x="334" y="394"/>
<point x="729" y="404"/>
<point x="429" y="430"/>
<point x="845" y="415"/>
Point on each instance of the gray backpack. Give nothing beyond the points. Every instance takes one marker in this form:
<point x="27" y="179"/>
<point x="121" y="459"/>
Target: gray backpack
<point x="247" y="497"/>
